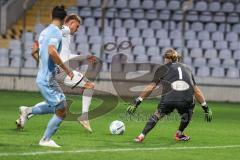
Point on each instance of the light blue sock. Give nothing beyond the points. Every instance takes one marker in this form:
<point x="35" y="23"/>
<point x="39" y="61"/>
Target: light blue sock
<point x="52" y="127"/>
<point x="42" y="108"/>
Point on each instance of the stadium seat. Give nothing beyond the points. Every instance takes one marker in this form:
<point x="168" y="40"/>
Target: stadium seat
<point x="235" y="45"/>
<point x="121" y="3"/>
<point x="133" y="4"/>
<point x="72" y="10"/>
<point x="129" y="23"/>
<point x="30" y="63"/>
<point x="109" y="39"/>
<point x="180" y="25"/>
<point x="175" y="34"/>
<point x="203" y="35"/>
<point x="14" y="45"/>
<point x="164" y="43"/>
<point x="150" y="42"/>
<point x="236" y="55"/>
<point x="82" y="39"/>
<point x="116" y="23"/>
<point x="233" y="18"/>
<point x="237" y="9"/>
<point x="177" y="43"/>
<point x="95" y="3"/>
<point x="159" y="5"/>
<point x="147" y="4"/>
<point x="81" y="31"/>
<point x="173" y="5"/>
<point x="187" y="61"/>
<point x="223" y="27"/>
<point x="205" y="17"/>
<point x="207" y="44"/>
<point x="199" y="62"/>
<point x="190" y="35"/>
<point x="139" y="50"/>
<point x="197" y="26"/>
<point x="218" y="72"/>
<point x="164" y="15"/>
<point x="96" y="49"/>
<point x="219" y="17"/>
<point x="82" y="3"/>
<point x="214" y="6"/>
<point x="137" y="41"/>
<point x="201" y="6"/>
<point x="196" y="53"/>
<point x="225" y="54"/>
<point x="83" y="49"/>
<point x="142" y="24"/>
<point x="217" y="36"/>
<point x="138" y="14"/>
<point x="162" y="34"/>
<point x="38" y="28"/>
<point x="156" y="24"/>
<point x="93" y="31"/>
<point x="210" y="53"/>
<point x="121" y="39"/>
<point x="221" y="45"/>
<point x="95" y="39"/>
<point x="231" y="36"/>
<point x="151" y="14"/>
<point x="203" y="71"/>
<point x="147" y="33"/>
<point x="236" y="28"/>
<point x="134" y="32"/>
<point x="141" y="59"/>
<point x="177" y="16"/>
<point x="193" y="44"/>
<point x="85" y="12"/>
<point x="97" y="12"/>
<point x="108" y="31"/>
<point x="227" y="7"/>
<point x="169" y="25"/>
<point x="192" y="16"/>
<point x="120" y="32"/>
<point x="111" y="13"/>
<point x="215" y="62"/>
<point x="157" y="59"/>
<point x="4" y="57"/>
<point x="124" y="13"/>
<point x="211" y="27"/>
<point x="153" y="51"/>
<point x="16" y="62"/>
<point x="228" y="63"/>
<point x="110" y="3"/>
<point x="233" y="73"/>
<point x="89" y="22"/>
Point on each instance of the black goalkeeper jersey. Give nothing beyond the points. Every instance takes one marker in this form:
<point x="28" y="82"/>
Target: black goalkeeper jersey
<point x="181" y="79"/>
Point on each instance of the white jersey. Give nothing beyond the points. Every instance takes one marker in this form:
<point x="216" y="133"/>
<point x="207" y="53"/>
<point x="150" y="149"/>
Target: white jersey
<point x="66" y="52"/>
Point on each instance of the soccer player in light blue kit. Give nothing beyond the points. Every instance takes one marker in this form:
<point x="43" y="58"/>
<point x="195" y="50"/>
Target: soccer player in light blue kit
<point x="55" y="101"/>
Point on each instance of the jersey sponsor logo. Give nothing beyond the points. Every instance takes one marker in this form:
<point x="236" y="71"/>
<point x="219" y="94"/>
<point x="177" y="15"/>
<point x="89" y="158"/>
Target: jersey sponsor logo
<point x="180" y="85"/>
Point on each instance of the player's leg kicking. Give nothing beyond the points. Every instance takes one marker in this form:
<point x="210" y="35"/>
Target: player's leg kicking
<point x="78" y="81"/>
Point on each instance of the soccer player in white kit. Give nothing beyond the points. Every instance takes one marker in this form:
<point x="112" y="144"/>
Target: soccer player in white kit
<point x="71" y="24"/>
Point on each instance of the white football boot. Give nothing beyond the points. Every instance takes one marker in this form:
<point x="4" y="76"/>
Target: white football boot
<point x="20" y="122"/>
<point x="48" y="143"/>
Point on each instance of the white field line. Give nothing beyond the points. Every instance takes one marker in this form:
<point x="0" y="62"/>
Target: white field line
<point x="116" y="150"/>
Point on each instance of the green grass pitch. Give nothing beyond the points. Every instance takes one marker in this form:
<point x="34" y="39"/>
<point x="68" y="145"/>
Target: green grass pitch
<point x="218" y="140"/>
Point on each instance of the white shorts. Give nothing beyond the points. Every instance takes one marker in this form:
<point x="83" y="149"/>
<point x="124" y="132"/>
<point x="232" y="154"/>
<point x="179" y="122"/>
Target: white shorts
<point x="79" y="80"/>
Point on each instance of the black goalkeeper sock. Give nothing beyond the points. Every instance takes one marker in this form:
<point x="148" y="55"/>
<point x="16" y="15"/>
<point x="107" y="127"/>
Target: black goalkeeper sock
<point x="185" y="120"/>
<point x="150" y="124"/>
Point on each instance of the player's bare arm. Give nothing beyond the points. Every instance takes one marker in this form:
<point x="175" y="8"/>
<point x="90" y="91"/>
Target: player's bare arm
<point x="57" y="60"/>
<point x="35" y="52"/>
<point x="200" y="98"/>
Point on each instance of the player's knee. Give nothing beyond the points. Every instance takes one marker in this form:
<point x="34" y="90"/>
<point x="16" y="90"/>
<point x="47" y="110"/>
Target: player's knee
<point x="89" y="85"/>
<point x="61" y="110"/>
<point x="159" y="114"/>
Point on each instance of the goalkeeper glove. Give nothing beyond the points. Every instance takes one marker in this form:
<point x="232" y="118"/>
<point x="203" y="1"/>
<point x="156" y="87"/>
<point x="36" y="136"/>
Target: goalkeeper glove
<point x="132" y="107"/>
<point x="207" y="112"/>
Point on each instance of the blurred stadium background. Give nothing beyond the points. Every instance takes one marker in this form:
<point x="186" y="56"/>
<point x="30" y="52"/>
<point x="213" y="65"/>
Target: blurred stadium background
<point x="205" y="32"/>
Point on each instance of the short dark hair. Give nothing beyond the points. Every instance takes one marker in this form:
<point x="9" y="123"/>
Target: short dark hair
<point x="73" y="17"/>
<point x="59" y="12"/>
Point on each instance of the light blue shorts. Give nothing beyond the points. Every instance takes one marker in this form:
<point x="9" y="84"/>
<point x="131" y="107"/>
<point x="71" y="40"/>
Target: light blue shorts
<point x="52" y="92"/>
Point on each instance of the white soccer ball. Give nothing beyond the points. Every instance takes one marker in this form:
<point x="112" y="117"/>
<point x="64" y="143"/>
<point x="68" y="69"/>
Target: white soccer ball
<point x="117" y="127"/>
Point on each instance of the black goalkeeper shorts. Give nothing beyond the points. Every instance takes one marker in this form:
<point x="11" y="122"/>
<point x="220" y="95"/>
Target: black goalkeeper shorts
<point x="165" y="108"/>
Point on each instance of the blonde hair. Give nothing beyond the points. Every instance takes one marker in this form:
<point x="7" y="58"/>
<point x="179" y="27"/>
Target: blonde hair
<point x="172" y="55"/>
<point x="73" y="17"/>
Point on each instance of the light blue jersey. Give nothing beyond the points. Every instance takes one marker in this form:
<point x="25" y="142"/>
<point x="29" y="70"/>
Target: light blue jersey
<point x="46" y="81"/>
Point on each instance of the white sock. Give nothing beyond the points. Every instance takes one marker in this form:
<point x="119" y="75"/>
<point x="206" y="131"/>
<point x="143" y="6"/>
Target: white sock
<point x="86" y="101"/>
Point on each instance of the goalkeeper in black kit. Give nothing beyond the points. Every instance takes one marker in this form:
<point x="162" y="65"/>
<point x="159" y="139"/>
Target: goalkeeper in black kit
<point x="181" y="96"/>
